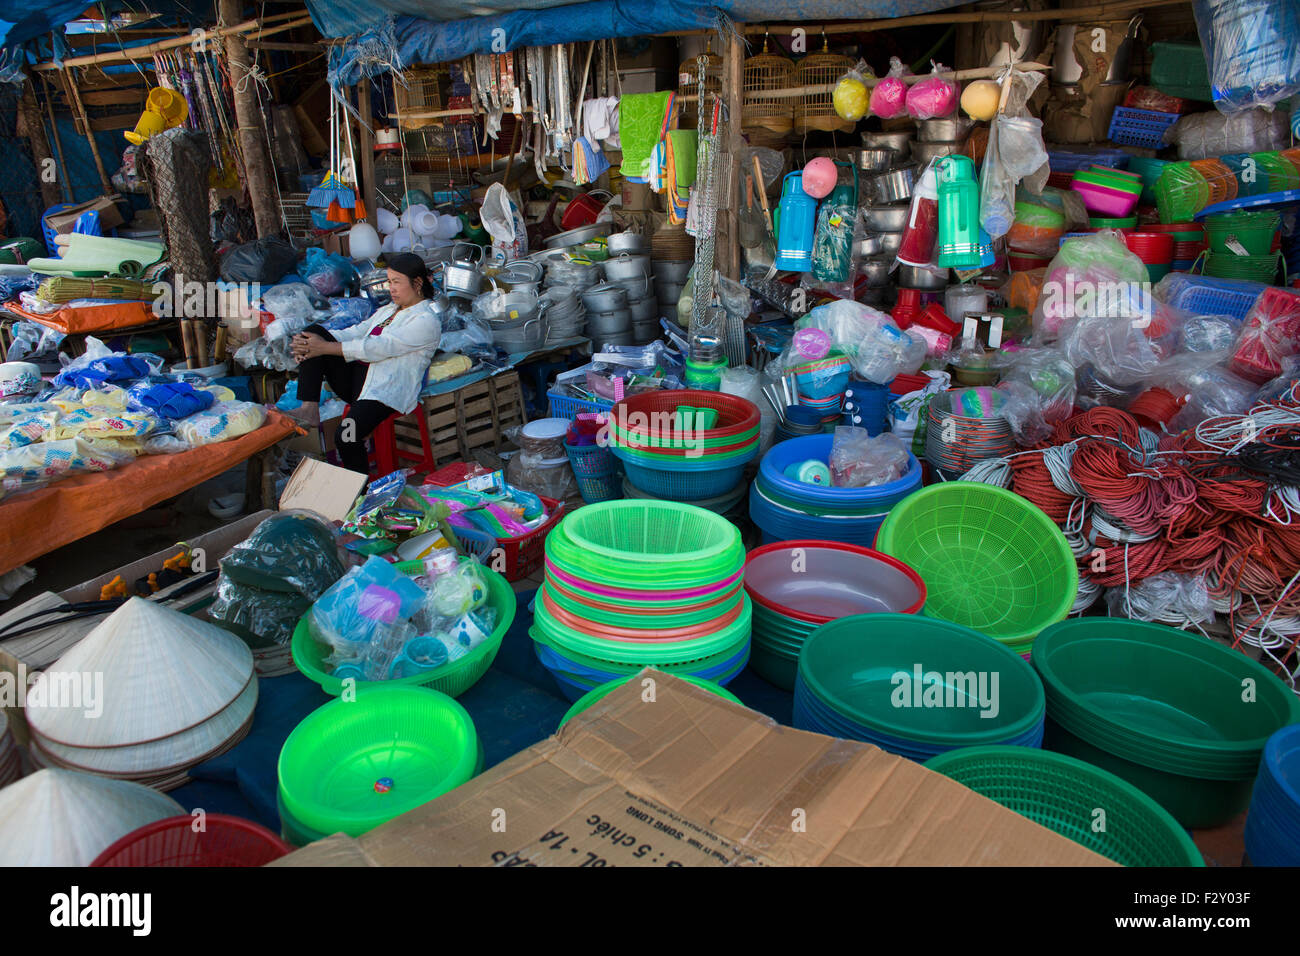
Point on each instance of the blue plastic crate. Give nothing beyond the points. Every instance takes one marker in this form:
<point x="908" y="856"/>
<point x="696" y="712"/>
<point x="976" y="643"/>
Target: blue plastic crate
<point x="1145" y="128"/>
<point x="563" y="406"/>
<point x="1205" y="295"/>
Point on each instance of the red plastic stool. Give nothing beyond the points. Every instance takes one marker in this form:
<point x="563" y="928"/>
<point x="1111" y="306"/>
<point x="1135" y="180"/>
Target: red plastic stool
<point x="386" y="457"/>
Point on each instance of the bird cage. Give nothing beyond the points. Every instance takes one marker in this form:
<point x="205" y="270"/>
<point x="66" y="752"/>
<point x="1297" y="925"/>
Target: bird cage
<point x="768" y="71"/>
<point x="417" y="91"/>
<point x="816" y="111"/>
<point x="688" y="81"/>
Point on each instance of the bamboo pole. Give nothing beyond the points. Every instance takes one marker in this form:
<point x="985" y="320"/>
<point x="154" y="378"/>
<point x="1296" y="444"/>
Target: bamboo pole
<point x="264" y="27"/>
<point x="365" y="132"/>
<point x="70" y="81"/>
<point x="65" y="181"/>
<point x="248" y="117"/>
<point x="733" y="91"/>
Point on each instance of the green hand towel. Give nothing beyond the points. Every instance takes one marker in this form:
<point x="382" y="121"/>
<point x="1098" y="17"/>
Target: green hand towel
<point x="640" y="124"/>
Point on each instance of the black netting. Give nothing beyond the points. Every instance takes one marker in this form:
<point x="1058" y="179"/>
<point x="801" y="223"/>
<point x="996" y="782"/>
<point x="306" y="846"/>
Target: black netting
<point x="177" y="162"/>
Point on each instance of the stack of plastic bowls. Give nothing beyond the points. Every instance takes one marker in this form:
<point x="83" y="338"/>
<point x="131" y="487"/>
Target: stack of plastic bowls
<point x="642" y="583"/>
<point x="685" y="445"/>
<point x="915" y="687"/>
<point x="1273" y="826"/>
<point x="990" y="559"/>
<point x="797" y="586"/>
<point x="866" y="405"/>
<point x="1178" y="716"/>
<point x="786" y="508"/>
<point x="592" y="696"/>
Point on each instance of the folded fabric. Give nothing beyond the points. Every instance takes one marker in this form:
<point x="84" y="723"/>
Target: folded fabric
<point x="600" y="121"/>
<point x="588" y="162"/>
<point x="111" y="368"/>
<point x="643" y="118"/>
<point x="171" y="400"/>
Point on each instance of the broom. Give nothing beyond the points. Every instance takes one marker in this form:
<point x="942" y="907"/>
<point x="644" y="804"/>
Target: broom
<point x="331" y="191"/>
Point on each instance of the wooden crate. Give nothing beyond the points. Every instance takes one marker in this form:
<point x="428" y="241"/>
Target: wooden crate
<point x="473" y="416"/>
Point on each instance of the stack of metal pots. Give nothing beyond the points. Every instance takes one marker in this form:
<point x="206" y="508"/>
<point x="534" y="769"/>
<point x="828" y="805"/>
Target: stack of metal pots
<point x="886" y="176"/>
<point x="609" y="320"/>
<point x="670" y="280"/>
<point x="628" y="268"/>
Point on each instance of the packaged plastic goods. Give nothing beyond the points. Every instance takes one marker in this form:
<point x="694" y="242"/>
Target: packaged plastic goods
<point x="1252" y="48"/>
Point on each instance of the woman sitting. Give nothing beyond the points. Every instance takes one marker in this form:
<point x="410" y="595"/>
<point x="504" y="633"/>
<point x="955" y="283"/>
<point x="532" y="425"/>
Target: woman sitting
<point x="377" y="366"/>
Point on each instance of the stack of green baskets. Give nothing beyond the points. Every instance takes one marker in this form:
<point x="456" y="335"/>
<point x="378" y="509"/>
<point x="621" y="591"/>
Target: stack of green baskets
<point x="990" y="560"/>
<point x="1065" y="795"/>
<point x="1241" y="245"/>
<point x="1180" y="717"/>
<point x="642" y="583"/>
<point x="351" y="765"/>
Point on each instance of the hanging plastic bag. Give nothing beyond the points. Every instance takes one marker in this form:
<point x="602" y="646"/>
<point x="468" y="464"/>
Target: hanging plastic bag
<point x="934" y="96"/>
<point x="1015" y="152"/>
<point x="832" y="253"/>
<point x="266" y="261"/>
<point x="851" y="96"/>
<point x="889" y="98"/>
<point x="1252" y="48"/>
<point x="504" y="224"/>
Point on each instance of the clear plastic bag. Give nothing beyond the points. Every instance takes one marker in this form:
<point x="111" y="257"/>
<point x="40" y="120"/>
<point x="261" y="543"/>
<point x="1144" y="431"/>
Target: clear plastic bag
<point x="1167" y="598"/>
<point x="293" y="551"/>
<point x="290" y="302"/>
<point x="1015" y="152"/>
<point x="907" y="412"/>
<point x="1269" y="333"/>
<point x="1091" y="276"/>
<point x="222" y="422"/>
<point x="1209" y="333"/>
<point x="935" y="96"/>
<point x="1210" y="135"/>
<point x="889" y="97"/>
<point x="1022" y="407"/>
<point x="874" y="344"/>
<point x="1050" y="375"/>
<point x="851" y="96"/>
<point x="1252" y="48"/>
<point x="552" y="479"/>
<point x="859" y="460"/>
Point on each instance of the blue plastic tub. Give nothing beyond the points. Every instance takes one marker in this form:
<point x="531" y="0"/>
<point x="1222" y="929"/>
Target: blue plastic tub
<point x="866" y="405"/>
<point x="781" y="524"/>
<point x="772" y="472"/>
<point x="1272" y="833"/>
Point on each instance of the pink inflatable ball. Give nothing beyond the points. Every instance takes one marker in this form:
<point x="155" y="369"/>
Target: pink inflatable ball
<point x="889" y="98"/>
<point x="819" y="177"/>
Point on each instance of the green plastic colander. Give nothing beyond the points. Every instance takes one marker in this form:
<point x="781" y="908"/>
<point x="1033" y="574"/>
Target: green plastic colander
<point x="990" y="560"/>
<point x="598" y="693"/>
<point x="351" y="765"/>
<point x="634" y="619"/>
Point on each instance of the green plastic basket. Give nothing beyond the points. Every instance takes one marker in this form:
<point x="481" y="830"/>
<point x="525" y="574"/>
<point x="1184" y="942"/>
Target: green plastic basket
<point x="853" y="665"/>
<point x="1179" y="69"/>
<point x="667" y="580"/>
<point x="1225" y="265"/>
<point x="990" y="559"/>
<point x="599" y="693"/>
<point x="1065" y="795"/>
<point x="351" y="765"/>
<point x="647" y="540"/>
<point x="1254" y="230"/>
<point x="539" y="635"/>
<point x="453" y="679"/>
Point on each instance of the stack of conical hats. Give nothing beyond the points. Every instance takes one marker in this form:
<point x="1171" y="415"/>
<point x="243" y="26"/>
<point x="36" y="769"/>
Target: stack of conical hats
<point x="11" y="767"/>
<point x="64" y="818"/>
<point x="146" y="695"/>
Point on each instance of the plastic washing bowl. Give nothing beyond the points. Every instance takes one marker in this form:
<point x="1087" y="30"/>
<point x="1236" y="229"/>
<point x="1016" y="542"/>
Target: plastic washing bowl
<point x="351" y="765"/>
<point x="818" y="581"/>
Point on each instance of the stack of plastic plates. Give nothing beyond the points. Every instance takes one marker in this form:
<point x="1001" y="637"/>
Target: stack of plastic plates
<point x="11" y="767"/>
<point x="144" y="696"/>
<point x="354" y="764"/>
<point x="642" y="583"/>
<point x="1273" y="826"/>
<point x="915" y="687"/>
<point x="786" y="508"/>
<point x="797" y="586"/>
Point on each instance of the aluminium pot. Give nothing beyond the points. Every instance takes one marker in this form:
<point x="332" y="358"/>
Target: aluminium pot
<point x="646" y="310"/>
<point x="867" y="246"/>
<point x="873" y="159"/>
<point x="917" y="277"/>
<point x="900" y="143"/>
<point x="674" y="271"/>
<point x="605" y="297"/>
<point x="925" y="153"/>
<point x="887" y="218"/>
<point x="626" y="267"/>
<point x="600" y="342"/>
<point x="890" y="243"/>
<point x="526" y="338"/>
<point x="608" y="323"/>
<point x="637" y="289"/>
<point x="893" y="186"/>
<point x="945" y="129"/>
<point x="629" y="243"/>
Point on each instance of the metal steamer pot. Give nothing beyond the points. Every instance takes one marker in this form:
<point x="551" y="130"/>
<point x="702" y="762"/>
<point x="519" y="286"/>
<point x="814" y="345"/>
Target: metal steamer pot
<point x="627" y="267"/>
<point x="637" y="288"/>
<point x="462" y="275"/>
<point x="893" y="186"/>
<point x="522" y="275"/>
<point x="673" y="272"/>
<point x="875" y="159"/>
<point x="529" y="336"/>
<point x="925" y="153"/>
<point x="625" y="243"/>
<point x="900" y="143"/>
<point x="608" y="323"/>
<point x="645" y="310"/>
<point x="605" y="297"/>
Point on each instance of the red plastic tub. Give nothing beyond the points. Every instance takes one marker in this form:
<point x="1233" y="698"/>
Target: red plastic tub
<point x="223" y="841"/>
<point x="1153" y="248"/>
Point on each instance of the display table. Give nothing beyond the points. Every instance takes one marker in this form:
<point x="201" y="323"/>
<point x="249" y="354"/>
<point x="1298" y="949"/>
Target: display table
<point x="33" y="523"/>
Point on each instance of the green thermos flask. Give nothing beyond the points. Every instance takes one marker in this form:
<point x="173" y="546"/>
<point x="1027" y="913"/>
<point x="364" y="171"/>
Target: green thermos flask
<point x="959" y="214"/>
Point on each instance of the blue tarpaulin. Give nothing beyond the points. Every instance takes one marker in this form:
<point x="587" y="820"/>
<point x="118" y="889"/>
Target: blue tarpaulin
<point x="421" y="33"/>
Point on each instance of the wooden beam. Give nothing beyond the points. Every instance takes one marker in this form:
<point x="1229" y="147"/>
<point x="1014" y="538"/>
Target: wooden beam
<point x="70" y="82"/>
<point x="293" y="47"/>
<point x="1118" y="10"/>
<point x="733" y="92"/>
<point x="263" y="27"/>
<point x="252" y="134"/>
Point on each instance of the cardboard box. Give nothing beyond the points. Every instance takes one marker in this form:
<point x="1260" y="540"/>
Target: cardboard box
<point x="689" y="779"/>
<point x="326" y="489"/>
<point x="110" y="216"/>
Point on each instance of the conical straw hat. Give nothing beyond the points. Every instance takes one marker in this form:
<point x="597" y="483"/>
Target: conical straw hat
<point x="64" y="818"/>
<point x="179" y="750"/>
<point x="163" y="672"/>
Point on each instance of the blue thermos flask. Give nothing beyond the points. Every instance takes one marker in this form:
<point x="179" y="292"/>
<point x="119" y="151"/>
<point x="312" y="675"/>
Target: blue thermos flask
<point x="794" y="241"/>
